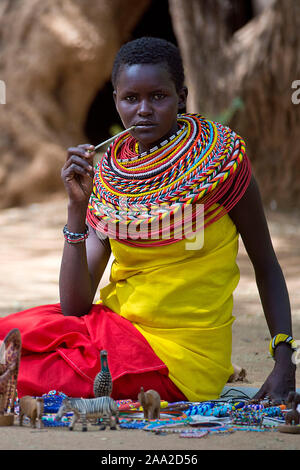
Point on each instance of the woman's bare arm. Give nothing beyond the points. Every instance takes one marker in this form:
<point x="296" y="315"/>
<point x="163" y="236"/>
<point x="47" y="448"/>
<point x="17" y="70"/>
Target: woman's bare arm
<point x="82" y="267"/>
<point x="82" y="263"/>
<point x="249" y="218"/>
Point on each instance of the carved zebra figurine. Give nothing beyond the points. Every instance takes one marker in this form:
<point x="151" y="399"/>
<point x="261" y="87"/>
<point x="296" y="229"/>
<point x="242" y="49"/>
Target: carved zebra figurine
<point x="91" y="409"/>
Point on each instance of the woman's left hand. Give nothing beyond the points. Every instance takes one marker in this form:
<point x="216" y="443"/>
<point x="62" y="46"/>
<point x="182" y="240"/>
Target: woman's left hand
<point x="281" y="380"/>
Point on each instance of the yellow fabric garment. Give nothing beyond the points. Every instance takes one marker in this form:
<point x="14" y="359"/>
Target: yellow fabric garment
<point x="181" y="301"/>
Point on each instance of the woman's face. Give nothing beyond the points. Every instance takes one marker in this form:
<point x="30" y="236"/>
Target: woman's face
<point x="146" y="96"/>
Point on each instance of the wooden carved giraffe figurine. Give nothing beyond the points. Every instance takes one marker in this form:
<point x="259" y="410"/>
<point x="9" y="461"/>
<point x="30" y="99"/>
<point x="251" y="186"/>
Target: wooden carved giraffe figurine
<point x="10" y="352"/>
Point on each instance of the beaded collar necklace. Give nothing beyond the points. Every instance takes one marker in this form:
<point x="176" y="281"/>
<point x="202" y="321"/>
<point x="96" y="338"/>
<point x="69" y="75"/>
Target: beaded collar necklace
<point x="131" y="147"/>
<point x="197" y="165"/>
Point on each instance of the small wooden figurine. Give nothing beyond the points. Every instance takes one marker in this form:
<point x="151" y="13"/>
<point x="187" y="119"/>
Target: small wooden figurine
<point x="150" y="401"/>
<point x="33" y="408"/>
<point x="239" y="374"/>
<point x="10" y="352"/>
<point x="292" y="417"/>
<point x="293" y="399"/>
<point x="103" y="381"/>
<point x="90" y="408"/>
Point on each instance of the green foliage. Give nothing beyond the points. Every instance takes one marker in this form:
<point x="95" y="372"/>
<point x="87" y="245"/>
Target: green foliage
<point x="225" y="116"/>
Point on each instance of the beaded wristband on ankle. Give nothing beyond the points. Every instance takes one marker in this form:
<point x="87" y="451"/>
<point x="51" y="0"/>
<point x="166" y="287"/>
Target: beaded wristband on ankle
<point x="73" y="237"/>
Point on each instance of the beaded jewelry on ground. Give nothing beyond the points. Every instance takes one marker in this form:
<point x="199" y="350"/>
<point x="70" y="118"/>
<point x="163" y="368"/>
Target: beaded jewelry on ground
<point x="184" y="419"/>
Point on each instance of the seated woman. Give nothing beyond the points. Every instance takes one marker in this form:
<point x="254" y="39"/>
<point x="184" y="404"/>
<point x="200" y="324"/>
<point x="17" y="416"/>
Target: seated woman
<point x="168" y="200"/>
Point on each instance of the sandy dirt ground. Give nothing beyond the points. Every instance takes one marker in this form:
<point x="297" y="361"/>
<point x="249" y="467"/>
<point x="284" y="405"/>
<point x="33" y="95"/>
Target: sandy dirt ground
<point x="30" y="252"/>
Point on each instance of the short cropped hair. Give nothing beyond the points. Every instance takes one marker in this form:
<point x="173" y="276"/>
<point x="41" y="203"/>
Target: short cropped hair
<point x="150" y="50"/>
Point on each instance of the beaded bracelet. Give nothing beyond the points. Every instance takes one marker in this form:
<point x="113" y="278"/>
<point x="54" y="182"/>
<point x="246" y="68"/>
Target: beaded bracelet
<point x="72" y="237"/>
<point x="281" y="338"/>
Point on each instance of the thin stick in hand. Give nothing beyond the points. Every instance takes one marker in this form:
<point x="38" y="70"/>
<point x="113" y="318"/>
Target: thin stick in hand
<point x="108" y="141"/>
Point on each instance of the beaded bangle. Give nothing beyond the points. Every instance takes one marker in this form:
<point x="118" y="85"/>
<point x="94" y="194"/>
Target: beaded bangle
<point x="72" y="237"/>
<point x="281" y="338"/>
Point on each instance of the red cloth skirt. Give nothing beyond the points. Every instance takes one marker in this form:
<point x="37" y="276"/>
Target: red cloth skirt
<point x="63" y="353"/>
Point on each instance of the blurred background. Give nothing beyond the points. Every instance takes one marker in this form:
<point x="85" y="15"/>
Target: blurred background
<point x="241" y="59"/>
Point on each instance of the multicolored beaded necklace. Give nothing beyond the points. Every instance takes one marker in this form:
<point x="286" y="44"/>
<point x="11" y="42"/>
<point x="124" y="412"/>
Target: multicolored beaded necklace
<point x="202" y="163"/>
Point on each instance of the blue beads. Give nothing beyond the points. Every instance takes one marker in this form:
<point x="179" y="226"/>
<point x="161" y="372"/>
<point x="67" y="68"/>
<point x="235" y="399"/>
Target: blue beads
<point x="239" y="404"/>
<point x="53" y="401"/>
<point x="247" y="417"/>
<point x="220" y="410"/>
<point x="254" y="407"/>
<point x="133" y="424"/>
<point x="210" y="409"/>
<point x="49" y="421"/>
<point x="203" y="409"/>
<point x="273" y="412"/>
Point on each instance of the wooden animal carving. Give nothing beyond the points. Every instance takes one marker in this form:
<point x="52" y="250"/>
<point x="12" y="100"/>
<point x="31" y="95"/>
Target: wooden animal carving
<point x="239" y="374"/>
<point x="103" y="381"/>
<point x="10" y="352"/>
<point x="91" y="409"/>
<point x="33" y="408"/>
<point x="292" y="417"/>
<point x="150" y="402"/>
<point x="293" y="398"/>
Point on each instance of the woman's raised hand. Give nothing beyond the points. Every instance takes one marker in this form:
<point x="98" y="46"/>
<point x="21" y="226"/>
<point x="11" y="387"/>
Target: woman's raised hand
<point x="77" y="173"/>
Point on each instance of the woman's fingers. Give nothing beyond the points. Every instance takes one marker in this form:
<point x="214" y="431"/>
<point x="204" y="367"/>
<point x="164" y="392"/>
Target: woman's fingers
<point x="83" y="150"/>
<point x="74" y="169"/>
<point x="78" y="172"/>
<point x="80" y="165"/>
<point x="262" y="393"/>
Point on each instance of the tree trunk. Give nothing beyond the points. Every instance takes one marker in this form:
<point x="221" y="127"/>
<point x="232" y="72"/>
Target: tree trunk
<point x="260" y="5"/>
<point x="55" y="56"/>
<point x="246" y="80"/>
<point x="202" y="34"/>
